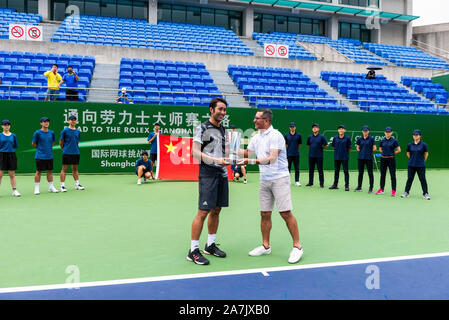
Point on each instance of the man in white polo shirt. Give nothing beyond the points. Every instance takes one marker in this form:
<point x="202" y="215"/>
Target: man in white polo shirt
<point x="269" y="146"/>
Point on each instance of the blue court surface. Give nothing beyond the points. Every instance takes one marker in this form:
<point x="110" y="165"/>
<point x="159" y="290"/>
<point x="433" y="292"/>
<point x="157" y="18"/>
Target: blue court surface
<point x="397" y="278"/>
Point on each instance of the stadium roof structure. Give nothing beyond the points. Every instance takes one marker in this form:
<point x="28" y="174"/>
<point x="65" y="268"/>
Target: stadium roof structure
<point x="330" y="8"/>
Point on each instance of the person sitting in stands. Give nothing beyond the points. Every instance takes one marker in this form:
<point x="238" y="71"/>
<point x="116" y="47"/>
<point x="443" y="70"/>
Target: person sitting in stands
<point x="371" y="75"/>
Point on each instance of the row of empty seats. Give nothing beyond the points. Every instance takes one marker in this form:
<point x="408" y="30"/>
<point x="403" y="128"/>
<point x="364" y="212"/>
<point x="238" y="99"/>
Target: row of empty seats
<point x="281" y="88"/>
<point x="429" y="89"/>
<point x="406" y="56"/>
<point x="167" y="82"/>
<point x="140" y="34"/>
<point x="22" y="73"/>
<point x="349" y="48"/>
<point x="10" y="15"/>
<point x="380" y="94"/>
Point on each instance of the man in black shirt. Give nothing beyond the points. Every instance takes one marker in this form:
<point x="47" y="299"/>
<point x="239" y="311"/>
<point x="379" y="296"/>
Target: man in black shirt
<point x="209" y="145"/>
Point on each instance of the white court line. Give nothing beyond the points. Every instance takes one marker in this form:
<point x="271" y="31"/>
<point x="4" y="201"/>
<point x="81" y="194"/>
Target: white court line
<point x="217" y="274"/>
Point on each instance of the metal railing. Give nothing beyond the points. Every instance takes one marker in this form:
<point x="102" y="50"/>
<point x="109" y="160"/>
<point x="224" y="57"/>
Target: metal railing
<point x="12" y="92"/>
<point x="431" y="49"/>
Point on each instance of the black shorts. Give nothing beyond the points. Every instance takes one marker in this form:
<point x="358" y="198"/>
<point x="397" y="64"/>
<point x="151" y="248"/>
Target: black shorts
<point x="8" y="161"/>
<point x="153" y="157"/>
<point x="70" y="159"/>
<point x="213" y="192"/>
<point x="144" y="172"/>
<point x="44" y="165"/>
<point x="71" y="95"/>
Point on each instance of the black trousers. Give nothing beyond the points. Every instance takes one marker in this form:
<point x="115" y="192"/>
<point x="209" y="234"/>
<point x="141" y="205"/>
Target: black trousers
<point x="390" y="164"/>
<point x="369" y="167"/>
<point x="319" y="164"/>
<point x="295" y="161"/>
<point x="337" y="165"/>
<point x="421" y="175"/>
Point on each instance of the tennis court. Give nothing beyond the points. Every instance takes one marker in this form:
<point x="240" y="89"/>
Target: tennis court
<point x="116" y="234"/>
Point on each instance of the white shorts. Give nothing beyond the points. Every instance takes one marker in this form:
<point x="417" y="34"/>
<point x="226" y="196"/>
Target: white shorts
<point x="275" y="190"/>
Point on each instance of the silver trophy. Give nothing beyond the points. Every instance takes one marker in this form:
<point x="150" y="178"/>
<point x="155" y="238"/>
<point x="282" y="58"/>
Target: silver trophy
<point x="234" y="145"/>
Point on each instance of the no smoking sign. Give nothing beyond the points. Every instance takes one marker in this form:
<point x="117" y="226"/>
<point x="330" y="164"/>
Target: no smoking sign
<point x="276" y="50"/>
<point x="25" y="32"/>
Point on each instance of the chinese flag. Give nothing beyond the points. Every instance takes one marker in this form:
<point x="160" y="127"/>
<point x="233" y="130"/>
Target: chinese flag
<point x="175" y="161"/>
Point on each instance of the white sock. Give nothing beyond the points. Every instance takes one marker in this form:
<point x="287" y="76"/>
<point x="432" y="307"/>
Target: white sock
<point x="62" y="184"/>
<point x="77" y="182"/>
<point x="210" y="239"/>
<point x="50" y="184"/>
<point x="36" y="184"/>
<point x="195" y="244"/>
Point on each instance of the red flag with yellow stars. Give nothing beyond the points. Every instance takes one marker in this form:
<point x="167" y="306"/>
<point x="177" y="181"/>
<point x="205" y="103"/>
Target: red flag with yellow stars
<point x="175" y="161"/>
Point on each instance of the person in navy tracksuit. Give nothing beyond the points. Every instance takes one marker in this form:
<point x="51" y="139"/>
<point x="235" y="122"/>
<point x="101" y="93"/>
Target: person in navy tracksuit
<point x="365" y="147"/>
<point x="316" y="143"/>
<point x="417" y="152"/>
<point x="342" y="146"/>
<point x="388" y="147"/>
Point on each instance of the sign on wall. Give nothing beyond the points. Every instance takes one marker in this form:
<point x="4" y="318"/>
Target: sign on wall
<point x="25" y="32"/>
<point x="276" y="50"/>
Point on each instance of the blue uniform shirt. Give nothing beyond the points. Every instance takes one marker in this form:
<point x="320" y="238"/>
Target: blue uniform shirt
<point x="366" y="147"/>
<point x="8" y="143"/>
<point x="71" y="137"/>
<point x="293" y="142"/>
<point x="341" y="147"/>
<point x="316" y="144"/>
<point x="148" y="166"/>
<point x="70" y="80"/>
<point x="44" y="142"/>
<point x="153" y="149"/>
<point x="417" y="154"/>
<point x="388" y="146"/>
<point x="236" y="168"/>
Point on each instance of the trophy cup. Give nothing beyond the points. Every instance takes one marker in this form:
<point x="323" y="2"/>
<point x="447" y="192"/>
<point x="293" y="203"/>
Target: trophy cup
<point x="234" y="146"/>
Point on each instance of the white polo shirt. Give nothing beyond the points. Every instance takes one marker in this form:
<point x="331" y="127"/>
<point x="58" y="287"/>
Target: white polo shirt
<point x="261" y="144"/>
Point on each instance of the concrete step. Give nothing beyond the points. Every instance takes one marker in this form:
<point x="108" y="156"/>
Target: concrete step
<point x="254" y="46"/>
<point x="104" y="76"/>
<point x="228" y="89"/>
<point x="48" y="30"/>
<point x="334" y="93"/>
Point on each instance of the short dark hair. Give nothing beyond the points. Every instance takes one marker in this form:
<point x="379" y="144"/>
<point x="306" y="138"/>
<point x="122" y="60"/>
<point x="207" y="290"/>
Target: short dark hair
<point x="55" y="65"/>
<point x="69" y="67"/>
<point x="213" y="102"/>
<point x="267" y="113"/>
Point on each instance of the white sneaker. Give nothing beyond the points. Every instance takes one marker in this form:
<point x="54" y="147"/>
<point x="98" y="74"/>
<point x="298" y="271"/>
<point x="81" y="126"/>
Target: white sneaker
<point x="79" y="187"/>
<point x="53" y="189"/>
<point x="259" y="251"/>
<point x="297" y="184"/>
<point x="295" y="255"/>
<point x="63" y="189"/>
<point x="244" y="181"/>
<point x="139" y="182"/>
<point x="15" y="193"/>
<point x="36" y="190"/>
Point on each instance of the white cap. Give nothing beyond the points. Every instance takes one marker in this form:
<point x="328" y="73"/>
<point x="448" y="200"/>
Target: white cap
<point x="123" y="89"/>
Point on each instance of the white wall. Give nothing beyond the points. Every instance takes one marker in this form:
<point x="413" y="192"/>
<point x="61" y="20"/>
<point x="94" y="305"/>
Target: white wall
<point x="393" y="33"/>
<point x="396" y="6"/>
